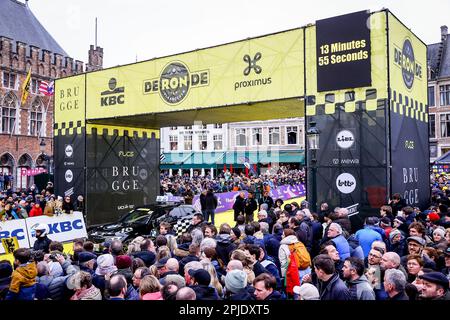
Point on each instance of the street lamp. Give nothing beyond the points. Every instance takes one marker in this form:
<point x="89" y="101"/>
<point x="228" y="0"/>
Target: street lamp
<point x="312" y="134"/>
<point x="42" y="145"/>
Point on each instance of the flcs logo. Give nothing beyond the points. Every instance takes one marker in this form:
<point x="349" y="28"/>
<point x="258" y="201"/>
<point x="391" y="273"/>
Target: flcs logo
<point x="115" y="95"/>
<point x="405" y="60"/>
<point x="175" y="82"/>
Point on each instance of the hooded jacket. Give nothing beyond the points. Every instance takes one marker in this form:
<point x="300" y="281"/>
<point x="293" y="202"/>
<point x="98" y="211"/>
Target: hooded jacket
<point x="284" y="252"/>
<point x="224" y="247"/>
<point x="342" y="246"/>
<point x="333" y="289"/>
<point x="360" y="289"/>
<point x="56" y="283"/>
<point x="23" y="282"/>
<point x="203" y="292"/>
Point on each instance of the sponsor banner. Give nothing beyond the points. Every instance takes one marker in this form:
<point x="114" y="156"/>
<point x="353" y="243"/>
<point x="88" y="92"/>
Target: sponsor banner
<point x="408" y="115"/>
<point x="24" y="172"/>
<point x="122" y="171"/>
<point x="64" y="227"/>
<point x="69" y="164"/>
<point x="14" y="229"/>
<point x="70" y="100"/>
<point x="226" y="200"/>
<point x="343" y="52"/>
<point x="259" y="69"/>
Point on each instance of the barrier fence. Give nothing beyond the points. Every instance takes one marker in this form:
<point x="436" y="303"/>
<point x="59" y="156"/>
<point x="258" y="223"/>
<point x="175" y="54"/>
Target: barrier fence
<point x="21" y="233"/>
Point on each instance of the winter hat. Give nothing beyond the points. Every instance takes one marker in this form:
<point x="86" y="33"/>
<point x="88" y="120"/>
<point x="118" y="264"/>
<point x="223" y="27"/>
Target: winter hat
<point x="123" y="262"/>
<point x="439" y="231"/>
<point x="393" y="233"/>
<point x="433" y="216"/>
<point x="237" y="232"/>
<point x="417" y="239"/>
<point x="400" y="220"/>
<point x="86" y="256"/>
<point x="201" y="276"/>
<point x="385" y="222"/>
<point x="235" y="280"/>
<point x="307" y="291"/>
<point x="5" y="270"/>
<point x="105" y="264"/>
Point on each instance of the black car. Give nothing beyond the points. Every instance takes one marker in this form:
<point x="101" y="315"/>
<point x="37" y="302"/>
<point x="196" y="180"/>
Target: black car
<point x="141" y="221"/>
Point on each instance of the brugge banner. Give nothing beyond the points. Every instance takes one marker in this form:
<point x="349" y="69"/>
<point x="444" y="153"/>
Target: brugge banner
<point x="122" y="170"/>
<point x="409" y="115"/>
<point x="343" y="52"/>
<point x="69" y="132"/>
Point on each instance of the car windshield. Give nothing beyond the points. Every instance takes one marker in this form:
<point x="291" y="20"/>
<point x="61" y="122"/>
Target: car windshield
<point x="137" y="214"/>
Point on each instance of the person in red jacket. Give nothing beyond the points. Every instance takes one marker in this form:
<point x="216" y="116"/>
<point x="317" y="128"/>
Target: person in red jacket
<point x="36" y="210"/>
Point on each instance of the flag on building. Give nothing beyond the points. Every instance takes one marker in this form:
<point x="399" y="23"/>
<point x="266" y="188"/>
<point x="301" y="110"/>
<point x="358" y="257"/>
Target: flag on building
<point x="46" y="88"/>
<point x="26" y="88"/>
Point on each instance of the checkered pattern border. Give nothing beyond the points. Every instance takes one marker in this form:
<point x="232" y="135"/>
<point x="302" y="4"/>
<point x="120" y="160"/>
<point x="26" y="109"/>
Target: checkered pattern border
<point x="122" y="132"/>
<point x="67" y="129"/>
<point x="349" y="101"/>
<point x="404" y="105"/>
<point x="182" y="225"/>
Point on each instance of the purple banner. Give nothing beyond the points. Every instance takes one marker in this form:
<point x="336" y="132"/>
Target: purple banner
<point x="226" y="199"/>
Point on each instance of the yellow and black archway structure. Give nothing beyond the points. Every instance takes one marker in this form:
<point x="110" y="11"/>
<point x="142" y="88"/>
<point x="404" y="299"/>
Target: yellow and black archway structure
<point x="361" y="78"/>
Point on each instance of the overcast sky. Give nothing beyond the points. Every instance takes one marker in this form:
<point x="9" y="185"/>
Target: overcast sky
<point x="148" y="28"/>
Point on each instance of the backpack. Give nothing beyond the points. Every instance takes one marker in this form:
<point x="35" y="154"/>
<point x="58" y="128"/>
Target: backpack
<point x="301" y="255"/>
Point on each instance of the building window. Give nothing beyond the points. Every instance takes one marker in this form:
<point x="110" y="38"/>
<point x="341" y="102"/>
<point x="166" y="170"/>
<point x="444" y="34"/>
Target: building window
<point x="291" y="135"/>
<point x="203" y="126"/>
<point x="274" y="135"/>
<point x="187" y="127"/>
<point x="173" y="128"/>
<point x="445" y="125"/>
<point x="431" y="102"/>
<point x="188" y="142"/>
<point x="218" y="126"/>
<point x="34" y="88"/>
<point x="9" y="80"/>
<point x="218" y="142"/>
<point x="9" y="112"/>
<point x="173" y="142"/>
<point x="257" y="136"/>
<point x="240" y="137"/>
<point x="202" y="141"/>
<point x="432" y="122"/>
<point x="444" y="93"/>
<point x="36" y="116"/>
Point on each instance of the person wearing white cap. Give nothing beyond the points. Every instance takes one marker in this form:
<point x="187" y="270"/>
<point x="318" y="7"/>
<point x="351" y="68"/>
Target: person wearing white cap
<point x="307" y="291"/>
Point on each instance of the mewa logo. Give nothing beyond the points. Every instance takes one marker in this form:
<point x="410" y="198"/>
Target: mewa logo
<point x="175" y="82"/>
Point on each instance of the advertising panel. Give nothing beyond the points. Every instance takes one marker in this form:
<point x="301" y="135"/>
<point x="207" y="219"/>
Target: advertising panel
<point x="14" y="229"/>
<point x="122" y="170"/>
<point x="226" y="200"/>
<point x="343" y="52"/>
<point x="409" y="115"/>
<point x="69" y="136"/>
<point x="258" y="69"/>
<point x="64" y="227"/>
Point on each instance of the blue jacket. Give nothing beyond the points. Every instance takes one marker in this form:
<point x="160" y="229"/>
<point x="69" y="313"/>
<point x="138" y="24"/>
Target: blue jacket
<point x="25" y="293"/>
<point x="273" y="270"/>
<point x="342" y="246"/>
<point x="366" y="237"/>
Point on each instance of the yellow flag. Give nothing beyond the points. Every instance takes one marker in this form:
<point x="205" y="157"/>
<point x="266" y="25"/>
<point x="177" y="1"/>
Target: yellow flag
<point x="26" y="88"/>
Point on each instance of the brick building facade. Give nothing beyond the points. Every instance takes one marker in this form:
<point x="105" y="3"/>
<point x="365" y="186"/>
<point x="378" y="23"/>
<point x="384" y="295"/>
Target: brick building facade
<point x="24" y="129"/>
